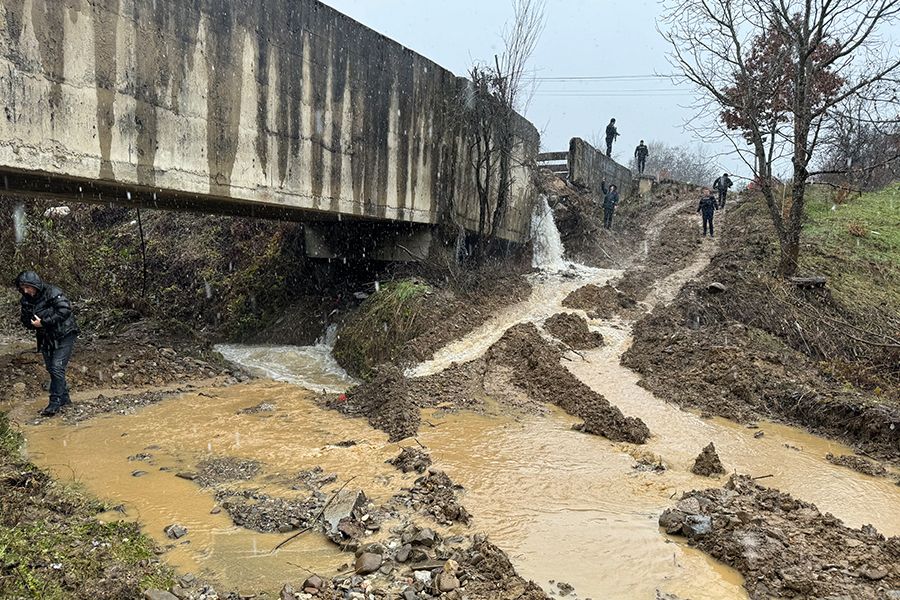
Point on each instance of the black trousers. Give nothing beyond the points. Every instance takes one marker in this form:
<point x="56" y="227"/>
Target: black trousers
<point x="609" y="143"/>
<point x="56" y="359"/>
<point x="708" y="220"/>
<point x="608" y="216"/>
<point x="642" y="162"/>
<point x="722" y="194"/>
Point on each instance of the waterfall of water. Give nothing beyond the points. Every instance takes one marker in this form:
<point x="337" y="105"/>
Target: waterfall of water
<point x="548" y="246"/>
<point x="329" y="338"/>
<point x="19" y="223"/>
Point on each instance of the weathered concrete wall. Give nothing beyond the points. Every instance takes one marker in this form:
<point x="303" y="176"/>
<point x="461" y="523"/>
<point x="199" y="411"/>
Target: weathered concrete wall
<point x="267" y="103"/>
<point x="588" y="167"/>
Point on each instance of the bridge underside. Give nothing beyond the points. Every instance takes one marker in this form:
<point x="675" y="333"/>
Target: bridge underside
<point x="327" y="235"/>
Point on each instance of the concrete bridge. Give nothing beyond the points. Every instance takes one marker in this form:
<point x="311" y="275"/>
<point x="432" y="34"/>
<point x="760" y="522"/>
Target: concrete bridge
<point x="272" y="108"/>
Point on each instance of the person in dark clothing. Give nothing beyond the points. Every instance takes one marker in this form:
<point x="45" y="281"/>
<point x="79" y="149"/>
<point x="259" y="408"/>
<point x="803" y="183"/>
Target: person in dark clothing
<point x="47" y="312"/>
<point x="707" y="207"/>
<point x="611" y="134"/>
<point x="610" y="200"/>
<point x="641" y="153"/>
<point x="721" y="185"/>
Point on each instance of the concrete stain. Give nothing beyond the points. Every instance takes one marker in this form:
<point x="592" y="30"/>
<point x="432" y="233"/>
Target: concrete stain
<point x="47" y="17"/>
<point x="105" y="21"/>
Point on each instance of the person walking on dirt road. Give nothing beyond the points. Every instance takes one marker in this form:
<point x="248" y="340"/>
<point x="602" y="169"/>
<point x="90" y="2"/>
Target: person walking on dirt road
<point x="611" y="134"/>
<point x="641" y="153"/>
<point x="708" y="208"/>
<point x="721" y="185"/>
<point x="47" y="312"/>
<point x="610" y="200"/>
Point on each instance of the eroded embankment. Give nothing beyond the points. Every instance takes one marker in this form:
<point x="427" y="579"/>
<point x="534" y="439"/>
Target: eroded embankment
<point x="739" y="343"/>
<point x="786" y="548"/>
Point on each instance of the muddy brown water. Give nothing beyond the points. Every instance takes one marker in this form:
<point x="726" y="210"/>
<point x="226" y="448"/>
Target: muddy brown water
<point x="564" y="505"/>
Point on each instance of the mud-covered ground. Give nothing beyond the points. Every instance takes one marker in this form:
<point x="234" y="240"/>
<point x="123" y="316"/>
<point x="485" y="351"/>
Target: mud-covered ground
<point x="786" y="548"/>
<point x="738" y="343"/>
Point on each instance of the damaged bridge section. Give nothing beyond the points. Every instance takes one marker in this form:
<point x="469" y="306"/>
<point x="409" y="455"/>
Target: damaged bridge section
<point x="272" y="108"/>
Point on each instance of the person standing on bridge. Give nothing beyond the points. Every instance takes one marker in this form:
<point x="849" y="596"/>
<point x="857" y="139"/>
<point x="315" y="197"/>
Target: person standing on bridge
<point x="721" y="185"/>
<point x="611" y="134"/>
<point x="610" y="200"/>
<point x="641" y="153"/>
<point x="47" y="312"/>
<point x="707" y="208"/>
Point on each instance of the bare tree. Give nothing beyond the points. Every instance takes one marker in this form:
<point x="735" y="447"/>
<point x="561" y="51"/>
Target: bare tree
<point x="776" y="70"/>
<point x="498" y="90"/>
<point x="682" y="163"/>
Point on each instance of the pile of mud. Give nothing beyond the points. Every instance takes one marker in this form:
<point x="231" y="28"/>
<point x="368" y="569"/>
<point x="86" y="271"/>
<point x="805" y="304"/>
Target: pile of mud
<point x="786" y="548"/>
<point x="411" y="460"/>
<point x="536" y="369"/>
<point x="708" y="462"/>
<point x="601" y="302"/>
<point x="386" y="402"/>
<point x="573" y="331"/>
<point x="522" y="370"/>
<point x="434" y="495"/>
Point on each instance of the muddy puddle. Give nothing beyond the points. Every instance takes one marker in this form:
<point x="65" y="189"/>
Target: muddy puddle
<point x="180" y="432"/>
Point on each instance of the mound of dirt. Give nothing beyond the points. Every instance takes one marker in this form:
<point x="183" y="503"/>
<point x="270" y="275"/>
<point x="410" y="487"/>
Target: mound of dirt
<point x="411" y="459"/>
<point x="785" y="548"/>
<point x="757" y="350"/>
<point x="217" y="470"/>
<point x="707" y="463"/>
<point x="600" y="302"/>
<point x="385" y="401"/>
<point x="573" y="331"/>
<point x="266" y="514"/>
<point x="858" y="463"/>
<point x="536" y="369"/>
<point x="434" y="494"/>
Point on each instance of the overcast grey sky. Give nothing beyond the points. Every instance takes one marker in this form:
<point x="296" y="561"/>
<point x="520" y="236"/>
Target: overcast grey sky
<point x="582" y="38"/>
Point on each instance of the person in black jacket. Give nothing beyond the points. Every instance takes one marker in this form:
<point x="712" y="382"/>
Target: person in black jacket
<point x="47" y="312"/>
<point x="610" y="200"/>
<point x="641" y="153"/>
<point x="611" y="134"/>
<point x="707" y="207"/>
<point x="721" y="185"/>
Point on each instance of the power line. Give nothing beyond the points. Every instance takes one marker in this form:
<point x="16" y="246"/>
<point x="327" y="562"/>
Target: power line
<point x="599" y="78"/>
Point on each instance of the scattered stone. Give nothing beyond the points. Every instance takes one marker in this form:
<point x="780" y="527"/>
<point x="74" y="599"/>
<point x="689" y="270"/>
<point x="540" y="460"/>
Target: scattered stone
<point x="434" y="494"/>
<point x="345" y="444"/>
<point x="158" y="595"/>
<point x="287" y="592"/>
<point x="313" y="582"/>
<point x="262" y="407"/>
<point x="314" y="479"/>
<point x="175" y="531"/>
<point x="189" y="475"/>
<point x="447" y="582"/>
<point x="564" y="588"/>
<point x="138" y="473"/>
<point x="707" y="463"/>
<point x="696" y="525"/>
<point x="267" y="514"/>
<point x="368" y="562"/>
<point x="216" y="470"/>
<point x="759" y="434"/>
<point x="140" y="456"/>
<point x="411" y="459"/>
<point x="19" y="387"/>
<point x="717" y="288"/>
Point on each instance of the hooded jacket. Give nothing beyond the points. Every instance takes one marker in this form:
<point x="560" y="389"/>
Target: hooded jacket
<point x="53" y="308"/>
<point x="707" y="206"/>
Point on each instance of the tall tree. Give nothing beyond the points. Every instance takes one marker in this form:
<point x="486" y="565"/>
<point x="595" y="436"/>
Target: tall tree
<point x="498" y="89"/>
<point x="776" y="70"/>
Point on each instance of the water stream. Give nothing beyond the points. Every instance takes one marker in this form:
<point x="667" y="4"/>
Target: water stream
<point x="564" y="505"/>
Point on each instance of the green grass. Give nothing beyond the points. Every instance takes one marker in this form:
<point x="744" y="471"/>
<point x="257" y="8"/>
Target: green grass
<point x="382" y="325"/>
<point x="856" y="244"/>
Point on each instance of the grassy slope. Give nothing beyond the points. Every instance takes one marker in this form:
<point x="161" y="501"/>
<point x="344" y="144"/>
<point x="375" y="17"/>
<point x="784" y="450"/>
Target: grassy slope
<point x="856" y="244"/>
<point x="52" y="545"/>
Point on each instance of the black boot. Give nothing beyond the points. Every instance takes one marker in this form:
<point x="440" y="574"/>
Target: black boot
<point x="52" y="408"/>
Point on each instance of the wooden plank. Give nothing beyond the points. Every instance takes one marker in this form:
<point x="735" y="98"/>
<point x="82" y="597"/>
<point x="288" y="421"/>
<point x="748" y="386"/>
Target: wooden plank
<point x="545" y="156"/>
